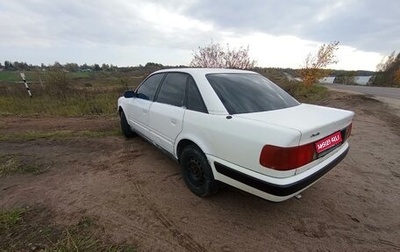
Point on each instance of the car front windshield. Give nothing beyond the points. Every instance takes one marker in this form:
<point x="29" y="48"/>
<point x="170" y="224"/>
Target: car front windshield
<point x="249" y="92"/>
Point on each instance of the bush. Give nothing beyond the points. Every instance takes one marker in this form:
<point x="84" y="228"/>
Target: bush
<point x="58" y="83"/>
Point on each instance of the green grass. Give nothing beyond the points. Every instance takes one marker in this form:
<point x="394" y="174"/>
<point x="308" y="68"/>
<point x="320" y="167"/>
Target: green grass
<point x="10" y="76"/>
<point x="83" y="103"/>
<point x="81" y="75"/>
<point x="57" y="135"/>
<point x="31" y="230"/>
<point x="93" y="93"/>
<point x="13" y="164"/>
<point x="61" y="94"/>
<point x="79" y="239"/>
<point x="14" y="76"/>
<point x="314" y="94"/>
<point x="9" y="219"/>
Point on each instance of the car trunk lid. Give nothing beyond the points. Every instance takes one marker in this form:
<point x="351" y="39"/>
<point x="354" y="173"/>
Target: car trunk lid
<point x="313" y="122"/>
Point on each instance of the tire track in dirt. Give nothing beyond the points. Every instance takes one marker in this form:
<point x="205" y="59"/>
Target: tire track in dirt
<point x="182" y="238"/>
<point x="145" y="218"/>
<point x="141" y="226"/>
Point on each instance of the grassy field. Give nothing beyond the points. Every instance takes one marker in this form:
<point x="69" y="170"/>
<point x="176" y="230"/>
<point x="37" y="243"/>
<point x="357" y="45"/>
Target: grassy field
<point x="63" y="94"/>
<point x="93" y="93"/>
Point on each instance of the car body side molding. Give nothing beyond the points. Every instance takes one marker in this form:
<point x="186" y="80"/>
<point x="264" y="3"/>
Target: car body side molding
<point x="278" y="190"/>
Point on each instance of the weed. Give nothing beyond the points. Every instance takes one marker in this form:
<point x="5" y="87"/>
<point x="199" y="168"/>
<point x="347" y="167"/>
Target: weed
<point x="12" y="164"/>
<point x="54" y="135"/>
<point x="8" y="219"/>
<point x="76" y="104"/>
<point x="306" y="94"/>
<point x="60" y="93"/>
<point x="311" y="94"/>
<point x="29" y="229"/>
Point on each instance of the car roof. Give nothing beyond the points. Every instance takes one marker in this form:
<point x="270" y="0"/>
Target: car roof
<point x="203" y="71"/>
<point x="213" y="103"/>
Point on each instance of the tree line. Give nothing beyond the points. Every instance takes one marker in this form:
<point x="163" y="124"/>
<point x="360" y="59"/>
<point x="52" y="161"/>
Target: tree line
<point x="216" y="55"/>
<point x="74" y="67"/>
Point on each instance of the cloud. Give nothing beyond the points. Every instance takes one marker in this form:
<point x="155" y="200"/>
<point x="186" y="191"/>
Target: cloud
<point x="364" y="24"/>
<point x="128" y="32"/>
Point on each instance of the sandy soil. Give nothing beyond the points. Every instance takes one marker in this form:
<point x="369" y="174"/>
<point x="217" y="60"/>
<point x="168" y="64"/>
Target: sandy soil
<point x="137" y="195"/>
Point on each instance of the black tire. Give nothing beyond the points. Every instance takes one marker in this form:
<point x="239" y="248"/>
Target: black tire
<point x="197" y="172"/>
<point x="126" y="129"/>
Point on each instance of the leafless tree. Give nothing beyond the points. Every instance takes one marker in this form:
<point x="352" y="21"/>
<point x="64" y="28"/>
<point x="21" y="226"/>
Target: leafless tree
<point x="216" y="56"/>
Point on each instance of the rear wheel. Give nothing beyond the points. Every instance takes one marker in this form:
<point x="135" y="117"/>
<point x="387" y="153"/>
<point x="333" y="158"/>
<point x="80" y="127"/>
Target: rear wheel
<point x="197" y="172"/>
<point x="126" y="129"/>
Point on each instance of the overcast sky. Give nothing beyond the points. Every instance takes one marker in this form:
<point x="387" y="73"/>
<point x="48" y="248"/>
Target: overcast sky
<point x="133" y="32"/>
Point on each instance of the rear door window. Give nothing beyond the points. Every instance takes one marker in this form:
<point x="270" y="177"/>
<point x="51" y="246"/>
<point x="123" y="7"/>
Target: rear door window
<point x="172" y="90"/>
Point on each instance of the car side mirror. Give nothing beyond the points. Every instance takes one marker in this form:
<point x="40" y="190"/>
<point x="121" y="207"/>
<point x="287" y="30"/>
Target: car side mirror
<point x="129" y="94"/>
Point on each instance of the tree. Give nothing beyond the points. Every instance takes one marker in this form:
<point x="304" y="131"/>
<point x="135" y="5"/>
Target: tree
<point x="153" y="65"/>
<point x="71" y="67"/>
<point x="314" y="65"/>
<point x="57" y="65"/>
<point x="345" y="77"/>
<point x="8" y="66"/>
<point x="215" y="56"/>
<point x="96" y="67"/>
<point x="386" y="62"/>
<point x="105" y="67"/>
<point x="388" y="71"/>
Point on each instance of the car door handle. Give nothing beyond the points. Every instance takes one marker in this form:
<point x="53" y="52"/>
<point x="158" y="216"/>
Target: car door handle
<point x="144" y="111"/>
<point x="173" y="121"/>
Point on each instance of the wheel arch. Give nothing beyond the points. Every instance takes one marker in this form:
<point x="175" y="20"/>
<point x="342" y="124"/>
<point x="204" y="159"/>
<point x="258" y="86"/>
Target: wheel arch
<point x="182" y="143"/>
<point x="181" y="146"/>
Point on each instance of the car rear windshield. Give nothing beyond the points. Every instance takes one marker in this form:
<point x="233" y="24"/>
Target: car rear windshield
<point x="247" y="92"/>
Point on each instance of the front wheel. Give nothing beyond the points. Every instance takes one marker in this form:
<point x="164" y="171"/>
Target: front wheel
<point x="197" y="172"/>
<point x="126" y="129"/>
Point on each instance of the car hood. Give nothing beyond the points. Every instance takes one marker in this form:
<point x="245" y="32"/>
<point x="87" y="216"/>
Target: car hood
<point x="313" y="122"/>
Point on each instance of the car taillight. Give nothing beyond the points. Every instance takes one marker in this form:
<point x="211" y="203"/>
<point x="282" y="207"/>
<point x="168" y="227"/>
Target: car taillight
<point x="283" y="159"/>
<point x="348" y="131"/>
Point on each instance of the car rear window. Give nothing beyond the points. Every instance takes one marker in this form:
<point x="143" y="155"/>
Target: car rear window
<point x="247" y="92"/>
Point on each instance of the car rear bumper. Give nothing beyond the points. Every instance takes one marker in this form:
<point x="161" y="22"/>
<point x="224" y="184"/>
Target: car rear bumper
<point x="274" y="191"/>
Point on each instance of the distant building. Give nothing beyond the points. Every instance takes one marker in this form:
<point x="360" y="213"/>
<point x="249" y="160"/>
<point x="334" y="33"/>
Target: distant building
<point x="356" y="80"/>
<point x="291" y="78"/>
<point x="327" y="80"/>
<point x="362" y="80"/>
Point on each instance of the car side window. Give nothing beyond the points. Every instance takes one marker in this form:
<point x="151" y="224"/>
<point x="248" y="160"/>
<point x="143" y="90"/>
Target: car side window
<point x="194" y="99"/>
<point x="172" y="90"/>
<point x="149" y="87"/>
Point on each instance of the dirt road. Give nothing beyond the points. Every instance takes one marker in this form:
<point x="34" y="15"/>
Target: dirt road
<point x="387" y="92"/>
<point x="137" y="195"/>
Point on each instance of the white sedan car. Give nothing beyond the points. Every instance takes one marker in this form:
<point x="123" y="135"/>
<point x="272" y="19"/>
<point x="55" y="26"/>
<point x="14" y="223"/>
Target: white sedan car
<point x="238" y="128"/>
